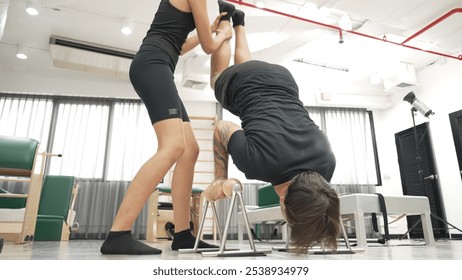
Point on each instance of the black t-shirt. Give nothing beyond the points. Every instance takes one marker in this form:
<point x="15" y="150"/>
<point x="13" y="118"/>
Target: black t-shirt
<point x="169" y="29"/>
<point x="281" y="139"/>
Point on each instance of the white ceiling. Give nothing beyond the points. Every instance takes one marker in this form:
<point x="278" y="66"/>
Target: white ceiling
<point x="285" y="31"/>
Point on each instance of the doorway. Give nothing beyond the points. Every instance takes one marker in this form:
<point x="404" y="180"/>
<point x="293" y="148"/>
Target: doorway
<point x="418" y="175"/>
<point x="456" y="127"/>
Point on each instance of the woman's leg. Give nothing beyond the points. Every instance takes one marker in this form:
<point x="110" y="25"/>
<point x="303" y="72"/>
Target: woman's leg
<point x="182" y="181"/>
<point x="221" y="57"/>
<point x="171" y="145"/>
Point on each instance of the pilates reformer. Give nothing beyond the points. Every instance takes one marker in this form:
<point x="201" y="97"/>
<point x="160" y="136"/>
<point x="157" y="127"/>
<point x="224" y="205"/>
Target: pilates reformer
<point x="231" y="188"/>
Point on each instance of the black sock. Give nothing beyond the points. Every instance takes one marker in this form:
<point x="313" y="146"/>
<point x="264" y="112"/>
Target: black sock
<point x="226" y="7"/>
<point x="122" y="242"/>
<point x="238" y="18"/>
<point x="185" y="240"/>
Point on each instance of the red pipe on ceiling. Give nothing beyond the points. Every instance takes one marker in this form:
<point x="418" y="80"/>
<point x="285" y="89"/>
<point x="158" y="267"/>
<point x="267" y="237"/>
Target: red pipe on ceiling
<point x="443" y="17"/>
<point x="384" y="39"/>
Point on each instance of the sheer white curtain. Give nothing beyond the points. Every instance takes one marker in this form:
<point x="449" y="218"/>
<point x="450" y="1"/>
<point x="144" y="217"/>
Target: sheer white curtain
<point x="26" y="118"/>
<point x="80" y="136"/>
<point x="349" y="132"/>
<point x="133" y="141"/>
<point x="110" y="164"/>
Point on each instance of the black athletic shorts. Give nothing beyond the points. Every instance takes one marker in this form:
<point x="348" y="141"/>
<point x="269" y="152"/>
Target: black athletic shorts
<point x="242" y="153"/>
<point x="151" y="74"/>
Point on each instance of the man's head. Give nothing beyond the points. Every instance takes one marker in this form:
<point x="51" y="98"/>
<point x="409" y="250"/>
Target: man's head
<point x="312" y="210"/>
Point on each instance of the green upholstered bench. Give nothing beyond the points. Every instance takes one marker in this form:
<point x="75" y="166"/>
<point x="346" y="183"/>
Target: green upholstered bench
<point x="166" y="189"/>
<point x="157" y="218"/>
<point x="17" y="156"/>
<point x="18" y="163"/>
<point x="54" y="206"/>
<point x="12" y="202"/>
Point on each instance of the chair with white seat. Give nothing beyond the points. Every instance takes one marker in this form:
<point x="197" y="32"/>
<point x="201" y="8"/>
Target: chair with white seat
<point x="359" y="204"/>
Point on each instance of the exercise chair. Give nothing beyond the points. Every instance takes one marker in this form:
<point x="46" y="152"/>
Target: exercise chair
<point x="19" y="162"/>
<point x="157" y="218"/>
<point x="55" y="205"/>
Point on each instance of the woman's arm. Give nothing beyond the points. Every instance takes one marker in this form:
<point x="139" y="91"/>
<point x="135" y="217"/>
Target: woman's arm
<point x="208" y="42"/>
<point x="193" y="41"/>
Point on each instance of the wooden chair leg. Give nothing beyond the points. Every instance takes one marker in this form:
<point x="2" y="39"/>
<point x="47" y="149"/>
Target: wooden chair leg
<point x="151" y="224"/>
<point x="196" y="209"/>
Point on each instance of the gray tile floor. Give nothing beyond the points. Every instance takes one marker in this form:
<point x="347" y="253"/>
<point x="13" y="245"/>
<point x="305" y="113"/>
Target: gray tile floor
<point x="89" y="250"/>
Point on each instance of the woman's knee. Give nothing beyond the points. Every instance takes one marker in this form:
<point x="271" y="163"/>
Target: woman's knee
<point x="173" y="149"/>
<point x="191" y="152"/>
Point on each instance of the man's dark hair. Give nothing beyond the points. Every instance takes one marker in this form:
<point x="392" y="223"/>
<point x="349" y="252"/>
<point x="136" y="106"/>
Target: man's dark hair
<point x="312" y="210"/>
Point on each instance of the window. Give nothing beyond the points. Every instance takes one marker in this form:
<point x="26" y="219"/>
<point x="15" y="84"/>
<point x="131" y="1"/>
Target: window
<point x="26" y="117"/>
<point x="103" y="139"/>
<point x="132" y="142"/>
<point x="80" y="136"/>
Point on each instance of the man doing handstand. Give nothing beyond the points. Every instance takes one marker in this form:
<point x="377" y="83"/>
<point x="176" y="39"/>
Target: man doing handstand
<point x="278" y="141"/>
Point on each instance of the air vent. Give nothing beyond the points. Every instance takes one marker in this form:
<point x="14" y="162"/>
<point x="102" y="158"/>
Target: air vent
<point x="194" y="84"/>
<point x="91" y="47"/>
<point x="92" y="58"/>
<point x="404" y="76"/>
<point x="403" y="85"/>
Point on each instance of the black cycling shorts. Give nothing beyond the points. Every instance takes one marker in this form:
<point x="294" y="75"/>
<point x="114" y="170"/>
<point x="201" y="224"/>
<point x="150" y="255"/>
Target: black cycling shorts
<point x="151" y="74"/>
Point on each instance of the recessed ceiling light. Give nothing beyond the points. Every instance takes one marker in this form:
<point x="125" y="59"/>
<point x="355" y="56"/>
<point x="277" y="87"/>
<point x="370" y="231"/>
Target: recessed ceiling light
<point x="21" y="52"/>
<point x="127" y="27"/>
<point x="345" y="23"/>
<point x="260" y="4"/>
<point x="31" y="8"/>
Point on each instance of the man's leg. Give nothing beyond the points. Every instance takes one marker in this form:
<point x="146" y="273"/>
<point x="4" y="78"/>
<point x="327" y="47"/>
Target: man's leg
<point x="242" y="51"/>
<point x="220" y="59"/>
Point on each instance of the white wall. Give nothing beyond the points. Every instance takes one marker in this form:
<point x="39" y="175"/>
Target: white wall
<point x="440" y="87"/>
